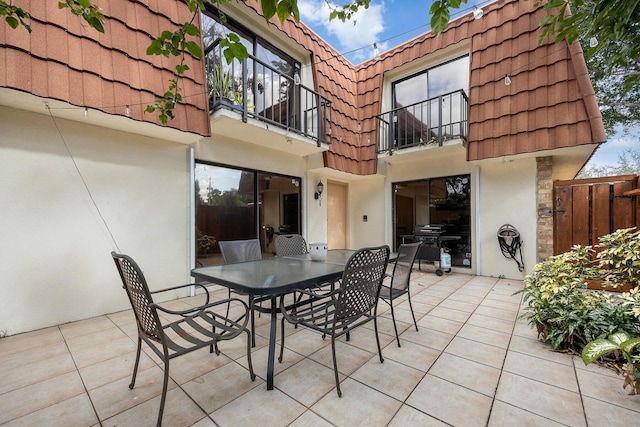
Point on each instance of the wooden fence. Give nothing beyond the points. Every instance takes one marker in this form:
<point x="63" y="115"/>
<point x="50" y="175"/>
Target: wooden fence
<point x="586" y="209"/>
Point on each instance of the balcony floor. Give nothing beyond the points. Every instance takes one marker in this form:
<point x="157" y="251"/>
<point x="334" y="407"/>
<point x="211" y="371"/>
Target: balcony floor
<point x="471" y="364"/>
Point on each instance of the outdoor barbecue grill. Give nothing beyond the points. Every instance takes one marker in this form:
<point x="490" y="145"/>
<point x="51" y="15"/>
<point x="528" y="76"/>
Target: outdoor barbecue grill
<point x="431" y="237"/>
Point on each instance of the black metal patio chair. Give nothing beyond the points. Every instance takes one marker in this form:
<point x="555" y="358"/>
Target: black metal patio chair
<point x="291" y="244"/>
<point x="398" y="284"/>
<point x="194" y="328"/>
<point x="235" y="251"/>
<point x="351" y="305"/>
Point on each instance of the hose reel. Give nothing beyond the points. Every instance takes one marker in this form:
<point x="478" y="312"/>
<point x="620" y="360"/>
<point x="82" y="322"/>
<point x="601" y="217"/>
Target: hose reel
<point x="510" y="244"/>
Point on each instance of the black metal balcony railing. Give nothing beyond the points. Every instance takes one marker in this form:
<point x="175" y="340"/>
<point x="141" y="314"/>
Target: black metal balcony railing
<point x="262" y="91"/>
<point x="425" y="123"/>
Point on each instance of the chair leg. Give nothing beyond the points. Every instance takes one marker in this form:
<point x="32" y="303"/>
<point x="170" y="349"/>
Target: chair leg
<point x="228" y="304"/>
<point x="375" y="328"/>
<point x="393" y="317"/>
<point x="135" y="365"/>
<point x="282" y="341"/>
<point x="214" y="346"/>
<point x="252" y="374"/>
<point x="335" y="364"/>
<point x="165" y="385"/>
<point x="253" y="322"/>
<point x="412" y="315"/>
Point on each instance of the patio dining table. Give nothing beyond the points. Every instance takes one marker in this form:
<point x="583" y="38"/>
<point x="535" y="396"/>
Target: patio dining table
<point x="273" y="277"/>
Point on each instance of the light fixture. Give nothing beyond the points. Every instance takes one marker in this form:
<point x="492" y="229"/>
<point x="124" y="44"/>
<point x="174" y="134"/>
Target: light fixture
<point x="319" y="190"/>
<point x="376" y="53"/>
<point x="507" y="79"/>
<point x="477" y="12"/>
<point x="593" y="41"/>
<point x="127" y="111"/>
<point x="296" y="78"/>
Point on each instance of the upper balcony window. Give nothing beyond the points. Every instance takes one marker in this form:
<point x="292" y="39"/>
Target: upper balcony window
<point x="265" y="86"/>
<point x="429" y="107"/>
<point x="225" y="80"/>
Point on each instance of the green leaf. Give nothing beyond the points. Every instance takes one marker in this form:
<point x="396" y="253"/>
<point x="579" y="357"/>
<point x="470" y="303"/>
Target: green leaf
<point x="96" y="24"/>
<point x="194" y="49"/>
<point x="192" y="30"/>
<point x="155" y="48"/>
<point x="440" y="17"/>
<point x="13" y="22"/>
<point x="619" y="337"/>
<point x="629" y="345"/>
<point x="268" y="8"/>
<point x="596" y="349"/>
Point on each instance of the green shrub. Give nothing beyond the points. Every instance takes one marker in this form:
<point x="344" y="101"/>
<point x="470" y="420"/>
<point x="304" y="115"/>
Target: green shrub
<point x="569" y="316"/>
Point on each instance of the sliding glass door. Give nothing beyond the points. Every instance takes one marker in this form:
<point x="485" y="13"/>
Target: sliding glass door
<point x="238" y="204"/>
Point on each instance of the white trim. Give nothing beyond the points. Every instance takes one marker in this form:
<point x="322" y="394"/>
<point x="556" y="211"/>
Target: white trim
<point x="477" y="256"/>
<point x="191" y="220"/>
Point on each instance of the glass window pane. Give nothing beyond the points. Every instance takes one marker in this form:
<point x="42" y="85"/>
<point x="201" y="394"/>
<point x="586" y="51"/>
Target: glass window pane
<point x="445" y="202"/>
<point x="410" y="91"/>
<point x="225" y="208"/>
<point x="449" y="77"/>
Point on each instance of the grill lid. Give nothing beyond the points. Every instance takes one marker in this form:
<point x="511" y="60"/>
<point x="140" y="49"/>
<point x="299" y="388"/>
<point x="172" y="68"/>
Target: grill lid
<point x="428" y="230"/>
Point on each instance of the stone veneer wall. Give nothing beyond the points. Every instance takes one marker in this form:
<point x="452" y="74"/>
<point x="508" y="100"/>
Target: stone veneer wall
<point x="544" y="196"/>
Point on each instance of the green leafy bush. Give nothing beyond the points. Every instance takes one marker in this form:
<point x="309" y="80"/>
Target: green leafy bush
<point x="569" y="316"/>
<point x="621" y="344"/>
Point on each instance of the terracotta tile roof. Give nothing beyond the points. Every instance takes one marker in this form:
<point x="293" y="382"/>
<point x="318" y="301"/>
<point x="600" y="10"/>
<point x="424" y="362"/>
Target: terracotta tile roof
<point x="550" y="103"/>
<point x="64" y="59"/>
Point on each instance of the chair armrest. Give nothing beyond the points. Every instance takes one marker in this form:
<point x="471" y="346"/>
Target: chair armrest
<point x="173" y="288"/>
<point x="313" y="292"/>
<point x="314" y="298"/>
<point x="201" y="307"/>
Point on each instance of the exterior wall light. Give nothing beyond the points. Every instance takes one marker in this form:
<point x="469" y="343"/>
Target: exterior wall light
<point x="319" y="190"/>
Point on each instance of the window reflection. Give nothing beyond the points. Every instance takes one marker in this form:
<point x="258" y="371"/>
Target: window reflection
<point x="270" y="92"/>
<point x="236" y="204"/>
<point x="425" y="105"/>
<point x="444" y="202"/>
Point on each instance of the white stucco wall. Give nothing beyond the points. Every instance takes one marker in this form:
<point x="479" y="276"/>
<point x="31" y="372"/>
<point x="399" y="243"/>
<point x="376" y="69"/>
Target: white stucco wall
<point x="367" y="197"/>
<point x="503" y="192"/>
<point x="56" y="265"/>
<point x="507" y="196"/>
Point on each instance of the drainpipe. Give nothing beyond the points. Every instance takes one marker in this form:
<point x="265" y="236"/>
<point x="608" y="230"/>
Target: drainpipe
<point x="478" y="246"/>
<point x="305" y="204"/>
<point x="191" y="226"/>
<point x="388" y="217"/>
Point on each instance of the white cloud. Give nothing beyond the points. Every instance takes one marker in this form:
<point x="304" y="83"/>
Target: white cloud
<point x="369" y="25"/>
<point x="608" y="153"/>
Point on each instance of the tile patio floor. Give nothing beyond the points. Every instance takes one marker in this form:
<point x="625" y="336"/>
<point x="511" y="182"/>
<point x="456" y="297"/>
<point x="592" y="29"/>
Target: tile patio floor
<point x="472" y="363"/>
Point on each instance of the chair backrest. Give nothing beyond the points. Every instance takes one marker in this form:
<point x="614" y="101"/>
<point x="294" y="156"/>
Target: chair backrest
<point x="404" y="264"/>
<point x="234" y="251"/>
<point x="361" y="282"/>
<point x="137" y="290"/>
<point x="291" y="244"/>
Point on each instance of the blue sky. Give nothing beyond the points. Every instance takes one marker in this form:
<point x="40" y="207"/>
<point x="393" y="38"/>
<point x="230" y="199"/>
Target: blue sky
<point x="389" y="23"/>
<point x="386" y="22"/>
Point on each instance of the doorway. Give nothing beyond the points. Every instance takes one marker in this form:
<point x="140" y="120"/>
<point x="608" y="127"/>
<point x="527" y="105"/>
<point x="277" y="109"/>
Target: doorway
<point x="337" y="225"/>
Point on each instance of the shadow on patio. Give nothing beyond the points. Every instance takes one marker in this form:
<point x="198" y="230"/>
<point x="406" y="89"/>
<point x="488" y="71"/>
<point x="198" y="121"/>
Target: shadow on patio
<point x="472" y="363"/>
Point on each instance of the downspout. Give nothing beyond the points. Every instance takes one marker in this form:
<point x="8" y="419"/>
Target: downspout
<point x="305" y="204"/>
<point x="388" y="214"/>
<point x="191" y="218"/>
<point x="478" y="250"/>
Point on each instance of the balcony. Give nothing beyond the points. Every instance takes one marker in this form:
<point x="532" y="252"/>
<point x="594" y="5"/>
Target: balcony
<point x="266" y="96"/>
<point x="436" y="122"/>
